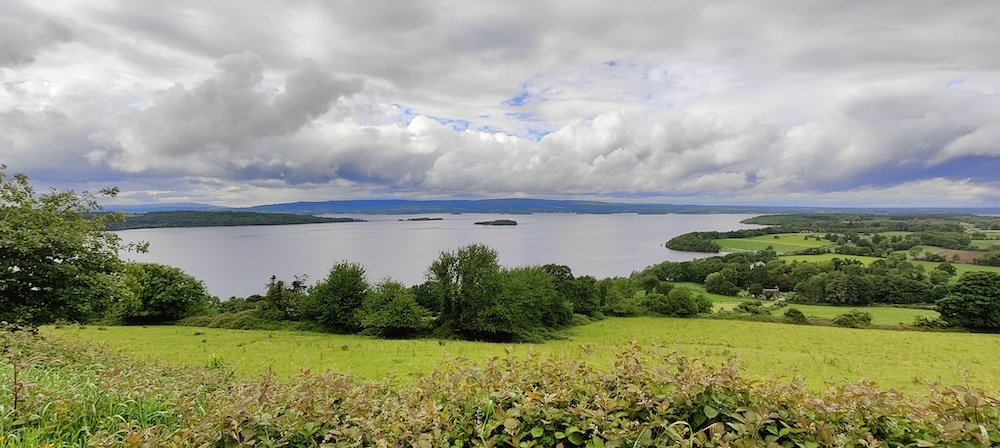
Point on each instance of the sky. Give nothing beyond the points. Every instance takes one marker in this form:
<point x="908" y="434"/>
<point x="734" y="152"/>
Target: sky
<point x="752" y="102"/>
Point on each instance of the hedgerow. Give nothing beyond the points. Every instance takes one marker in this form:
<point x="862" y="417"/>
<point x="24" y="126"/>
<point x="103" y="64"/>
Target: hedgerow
<point x="83" y="395"/>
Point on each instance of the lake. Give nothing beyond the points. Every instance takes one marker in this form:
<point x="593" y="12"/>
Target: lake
<point x="239" y="261"/>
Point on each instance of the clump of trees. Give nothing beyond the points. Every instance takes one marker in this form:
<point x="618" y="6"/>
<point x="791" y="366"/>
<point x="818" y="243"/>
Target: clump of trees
<point x="974" y="302"/>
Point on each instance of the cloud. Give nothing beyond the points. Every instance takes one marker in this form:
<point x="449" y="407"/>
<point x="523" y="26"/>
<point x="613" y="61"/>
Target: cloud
<point x="21" y="42"/>
<point x="702" y="102"/>
<point x="221" y="119"/>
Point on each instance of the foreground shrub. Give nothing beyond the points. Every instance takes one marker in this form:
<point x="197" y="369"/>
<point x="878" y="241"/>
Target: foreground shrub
<point x="86" y="396"/>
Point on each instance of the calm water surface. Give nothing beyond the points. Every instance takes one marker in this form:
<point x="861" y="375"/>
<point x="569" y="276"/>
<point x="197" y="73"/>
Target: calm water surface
<point x="239" y="261"/>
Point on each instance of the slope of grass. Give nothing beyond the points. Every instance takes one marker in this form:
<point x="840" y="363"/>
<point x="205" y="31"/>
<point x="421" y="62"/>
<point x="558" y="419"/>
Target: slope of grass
<point x="892" y="358"/>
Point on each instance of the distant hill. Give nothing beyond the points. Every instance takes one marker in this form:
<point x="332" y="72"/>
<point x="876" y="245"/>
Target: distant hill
<point x="510" y="206"/>
<point x="523" y="206"/>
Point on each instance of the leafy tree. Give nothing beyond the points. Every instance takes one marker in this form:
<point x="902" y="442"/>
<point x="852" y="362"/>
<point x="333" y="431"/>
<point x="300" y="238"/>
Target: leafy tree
<point x="989" y="258"/>
<point x="848" y="289"/>
<point x="56" y="260"/>
<point x="161" y="293"/>
<point x="521" y="306"/>
<point x="716" y="283"/>
<point x="283" y="300"/>
<point x="705" y="304"/>
<point x="621" y="297"/>
<point x="464" y="280"/>
<point x="333" y="301"/>
<point x="582" y="294"/>
<point x="391" y="308"/>
<point x="974" y="302"/>
<point x="681" y="303"/>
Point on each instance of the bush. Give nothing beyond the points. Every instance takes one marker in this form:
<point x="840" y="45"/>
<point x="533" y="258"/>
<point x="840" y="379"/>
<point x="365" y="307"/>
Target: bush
<point x="580" y="319"/>
<point x="705" y="304"/>
<point x="391" y="309"/>
<point x="795" y="316"/>
<point x="752" y="307"/>
<point x="853" y="319"/>
<point x="333" y="302"/>
<point x="161" y="293"/>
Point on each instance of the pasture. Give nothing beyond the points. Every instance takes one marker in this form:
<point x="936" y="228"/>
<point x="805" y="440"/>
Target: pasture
<point x="881" y="315"/>
<point x="783" y="242"/>
<point x="928" y="265"/>
<point x="900" y="359"/>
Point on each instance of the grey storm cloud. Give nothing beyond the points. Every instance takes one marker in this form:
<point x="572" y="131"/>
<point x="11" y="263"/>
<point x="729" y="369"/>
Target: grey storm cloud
<point x="225" y="115"/>
<point x="20" y="42"/>
<point x="762" y="101"/>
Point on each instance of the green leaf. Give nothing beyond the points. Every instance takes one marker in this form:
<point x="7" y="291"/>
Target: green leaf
<point x="710" y="412"/>
<point x="575" y="438"/>
<point x="537" y="432"/>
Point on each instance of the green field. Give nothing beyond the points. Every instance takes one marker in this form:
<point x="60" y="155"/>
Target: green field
<point x="699" y="288"/>
<point x="828" y="257"/>
<point x="928" y="265"/>
<point x="903" y="359"/>
<point x="881" y="315"/>
<point x="985" y="244"/>
<point x="783" y="242"/>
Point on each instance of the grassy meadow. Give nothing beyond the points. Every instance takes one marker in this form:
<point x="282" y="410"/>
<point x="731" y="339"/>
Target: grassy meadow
<point x="881" y="315"/>
<point x="900" y="359"/>
<point x="783" y="242"/>
<point x="928" y="265"/>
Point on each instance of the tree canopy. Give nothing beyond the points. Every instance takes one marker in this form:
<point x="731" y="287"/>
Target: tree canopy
<point x="56" y="260"/>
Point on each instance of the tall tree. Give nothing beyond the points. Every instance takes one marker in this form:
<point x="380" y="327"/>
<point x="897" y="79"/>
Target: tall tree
<point x="334" y="300"/>
<point x="56" y="259"/>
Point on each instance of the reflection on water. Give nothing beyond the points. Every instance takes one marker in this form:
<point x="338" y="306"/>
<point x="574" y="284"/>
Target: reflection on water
<point x="239" y="261"/>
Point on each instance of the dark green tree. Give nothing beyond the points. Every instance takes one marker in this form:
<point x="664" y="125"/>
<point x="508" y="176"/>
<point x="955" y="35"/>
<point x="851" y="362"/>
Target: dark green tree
<point x="390" y="308"/>
<point x="681" y="302"/>
<point x="463" y="280"/>
<point x="161" y="293"/>
<point x="56" y="260"/>
<point x="282" y="300"/>
<point x="974" y="302"/>
<point x="333" y="301"/>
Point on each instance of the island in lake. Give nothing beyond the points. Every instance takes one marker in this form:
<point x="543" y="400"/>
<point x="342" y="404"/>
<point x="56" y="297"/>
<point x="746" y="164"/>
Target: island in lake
<point x="498" y="222"/>
<point x="423" y="219"/>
